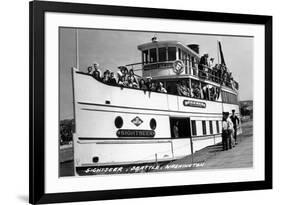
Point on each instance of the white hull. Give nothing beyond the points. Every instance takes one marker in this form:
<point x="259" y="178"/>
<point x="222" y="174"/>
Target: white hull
<point x="97" y="105"/>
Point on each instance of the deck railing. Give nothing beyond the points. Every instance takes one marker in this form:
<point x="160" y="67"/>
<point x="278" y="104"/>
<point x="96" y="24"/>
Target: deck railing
<point x="207" y="73"/>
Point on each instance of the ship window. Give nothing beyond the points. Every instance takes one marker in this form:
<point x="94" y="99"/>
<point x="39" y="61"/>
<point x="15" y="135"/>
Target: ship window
<point x="162" y="54"/>
<point x="218" y="127"/>
<point x="204" y="127"/>
<point x="153" y="55"/>
<point x="145" y="56"/>
<point x="180" y="127"/>
<point x="193" y="127"/>
<point x="172" y="51"/>
<point x="229" y="98"/>
<point x="171" y="87"/>
<point x="192" y="62"/>
<point x="211" y="127"/>
<point x="180" y="53"/>
<point x="184" y="58"/>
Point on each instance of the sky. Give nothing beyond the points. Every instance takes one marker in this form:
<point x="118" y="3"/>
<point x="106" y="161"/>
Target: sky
<point x="112" y="48"/>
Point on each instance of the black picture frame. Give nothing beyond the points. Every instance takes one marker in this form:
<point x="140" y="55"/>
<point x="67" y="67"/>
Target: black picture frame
<point x="37" y="11"/>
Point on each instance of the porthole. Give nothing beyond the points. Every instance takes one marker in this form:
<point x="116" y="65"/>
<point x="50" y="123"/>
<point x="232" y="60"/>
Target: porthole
<point x="153" y="124"/>
<point x="118" y="122"/>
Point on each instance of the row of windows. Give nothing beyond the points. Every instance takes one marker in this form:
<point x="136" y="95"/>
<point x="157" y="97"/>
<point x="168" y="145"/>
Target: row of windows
<point x="167" y="54"/>
<point x="204" y="127"/>
<point x="229" y="97"/>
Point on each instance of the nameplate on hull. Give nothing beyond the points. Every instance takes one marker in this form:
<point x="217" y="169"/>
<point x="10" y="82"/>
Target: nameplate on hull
<point x="135" y="133"/>
<point x="192" y="103"/>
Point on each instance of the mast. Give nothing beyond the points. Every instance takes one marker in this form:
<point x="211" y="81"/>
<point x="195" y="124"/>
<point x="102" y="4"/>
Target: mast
<point x="77" y="48"/>
<point x="222" y="63"/>
<point x="221" y="54"/>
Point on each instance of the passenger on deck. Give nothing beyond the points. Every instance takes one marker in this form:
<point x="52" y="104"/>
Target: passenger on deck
<point x="212" y="70"/>
<point x="217" y="74"/>
<point x="205" y="91"/>
<point x="182" y="89"/>
<point x="161" y="88"/>
<point x="96" y="73"/>
<point x="105" y="78"/>
<point x="212" y="92"/>
<point x="196" y="91"/>
<point x="133" y="76"/>
<point x="125" y="72"/>
<point x="120" y="72"/>
<point x="203" y="66"/>
<point x="211" y="62"/>
<point x="231" y="80"/>
<point x="90" y="70"/>
<point x="131" y="83"/>
<point x="122" y="82"/>
<point x="217" y="93"/>
<point x="148" y="83"/>
<point x="224" y="77"/>
<point x="112" y="80"/>
<point x="188" y="91"/>
<point x="153" y="87"/>
<point x="142" y="84"/>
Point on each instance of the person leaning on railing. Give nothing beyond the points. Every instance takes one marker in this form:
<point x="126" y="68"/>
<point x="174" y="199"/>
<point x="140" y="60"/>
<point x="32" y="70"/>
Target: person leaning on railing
<point x="142" y="84"/>
<point x="112" y="80"/>
<point x="148" y="83"/>
<point x="203" y="64"/>
<point x="161" y="88"/>
<point x="196" y="91"/>
<point x="182" y="88"/>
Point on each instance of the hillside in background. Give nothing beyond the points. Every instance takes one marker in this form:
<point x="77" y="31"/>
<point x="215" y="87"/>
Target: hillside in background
<point x="246" y="108"/>
<point x="67" y="127"/>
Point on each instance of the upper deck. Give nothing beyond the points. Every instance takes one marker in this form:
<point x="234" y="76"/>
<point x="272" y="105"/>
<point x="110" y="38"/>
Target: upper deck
<point x="168" y="60"/>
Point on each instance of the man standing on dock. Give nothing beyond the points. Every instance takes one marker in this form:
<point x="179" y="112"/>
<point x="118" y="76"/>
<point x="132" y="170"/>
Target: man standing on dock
<point x="227" y="131"/>
<point x="225" y="140"/>
<point x="235" y="121"/>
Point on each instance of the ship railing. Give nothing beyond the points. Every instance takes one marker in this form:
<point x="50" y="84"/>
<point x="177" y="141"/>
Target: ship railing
<point x="207" y="73"/>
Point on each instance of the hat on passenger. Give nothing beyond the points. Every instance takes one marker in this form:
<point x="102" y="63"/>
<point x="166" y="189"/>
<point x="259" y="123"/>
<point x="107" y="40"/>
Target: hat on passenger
<point x="95" y="63"/>
<point x="122" y="67"/>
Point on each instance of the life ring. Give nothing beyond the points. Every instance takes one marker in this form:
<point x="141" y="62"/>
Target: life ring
<point x="178" y="67"/>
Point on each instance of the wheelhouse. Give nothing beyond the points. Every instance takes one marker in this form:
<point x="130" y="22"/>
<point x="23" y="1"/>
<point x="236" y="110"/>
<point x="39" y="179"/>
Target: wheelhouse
<point x="161" y="58"/>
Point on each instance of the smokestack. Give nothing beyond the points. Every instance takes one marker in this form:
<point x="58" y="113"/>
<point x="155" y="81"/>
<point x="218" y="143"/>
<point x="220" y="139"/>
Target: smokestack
<point x="194" y="47"/>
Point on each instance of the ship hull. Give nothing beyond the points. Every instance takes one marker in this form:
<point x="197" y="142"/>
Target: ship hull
<point x="98" y="141"/>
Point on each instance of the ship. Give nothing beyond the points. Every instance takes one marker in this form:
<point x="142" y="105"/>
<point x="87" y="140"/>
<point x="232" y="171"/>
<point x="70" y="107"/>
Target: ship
<point x="117" y="125"/>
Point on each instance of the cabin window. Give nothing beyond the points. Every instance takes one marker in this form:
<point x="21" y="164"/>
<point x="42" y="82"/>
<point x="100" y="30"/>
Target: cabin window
<point x="184" y="58"/>
<point x="153" y="55"/>
<point x="192" y="62"/>
<point x="211" y="127"/>
<point x="179" y="54"/>
<point x="145" y="56"/>
<point x="171" y="87"/>
<point x="172" y="53"/>
<point x="162" y="54"/>
<point x="218" y="127"/>
<point x="204" y="127"/>
<point x="193" y="127"/>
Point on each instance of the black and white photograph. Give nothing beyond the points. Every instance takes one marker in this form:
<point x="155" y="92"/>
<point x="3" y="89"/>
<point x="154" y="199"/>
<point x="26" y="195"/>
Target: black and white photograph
<point x="130" y="102"/>
<point x="137" y="102"/>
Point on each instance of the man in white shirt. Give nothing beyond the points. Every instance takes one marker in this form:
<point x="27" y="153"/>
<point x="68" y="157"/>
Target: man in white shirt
<point x="230" y="132"/>
<point x="227" y="127"/>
